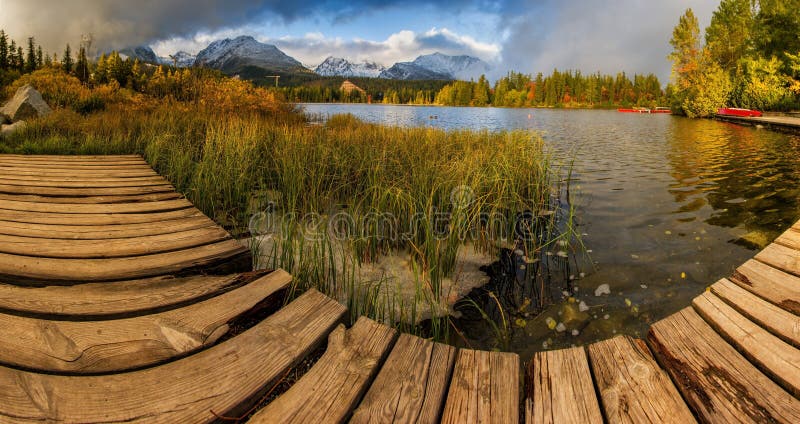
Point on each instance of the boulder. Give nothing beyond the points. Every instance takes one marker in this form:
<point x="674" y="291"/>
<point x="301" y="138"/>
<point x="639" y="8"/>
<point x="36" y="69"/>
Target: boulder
<point x="6" y="130"/>
<point x="27" y="103"/>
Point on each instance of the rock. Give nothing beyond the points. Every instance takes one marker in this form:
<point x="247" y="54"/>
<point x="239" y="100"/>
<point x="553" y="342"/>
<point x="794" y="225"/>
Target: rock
<point x="27" y="103"/>
<point x="583" y="307"/>
<point x="561" y="327"/>
<point x="602" y="289"/>
<point x="6" y="130"/>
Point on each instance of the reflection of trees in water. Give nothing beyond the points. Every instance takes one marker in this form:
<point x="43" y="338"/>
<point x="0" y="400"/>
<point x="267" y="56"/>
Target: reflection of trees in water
<point x="750" y="177"/>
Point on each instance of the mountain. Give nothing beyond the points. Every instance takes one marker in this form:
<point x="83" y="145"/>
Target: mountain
<point x="181" y="59"/>
<point x="458" y="67"/>
<point x="244" y="55"/>
<point x="339" y="67"/>
<point x="411" y="71"/>
<point x="143" y="53"/>
<point x="438" y="66"/>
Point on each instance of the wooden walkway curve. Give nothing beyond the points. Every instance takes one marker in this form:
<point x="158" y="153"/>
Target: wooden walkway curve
<point x="121" y="302"/>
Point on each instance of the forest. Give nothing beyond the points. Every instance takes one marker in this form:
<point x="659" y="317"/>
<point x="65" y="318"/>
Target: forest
<point x="748" y="58"/>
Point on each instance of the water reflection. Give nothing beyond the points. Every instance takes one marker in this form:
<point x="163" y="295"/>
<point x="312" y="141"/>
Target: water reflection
<point x="668" y="206"/>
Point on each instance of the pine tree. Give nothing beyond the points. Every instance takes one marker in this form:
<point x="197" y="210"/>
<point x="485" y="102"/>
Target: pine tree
<point x="30" y="60"/>
<point x="3" y="50"/>
<point x="82" y="66"/>
<point x="728" y="37"/>
<point x="67" y="62"/>
<point x="39" y="57"/>
<point x="20" y="60"/>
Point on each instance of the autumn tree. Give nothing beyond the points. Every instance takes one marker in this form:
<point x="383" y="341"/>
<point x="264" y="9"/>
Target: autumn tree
<point x="729" y="36"/>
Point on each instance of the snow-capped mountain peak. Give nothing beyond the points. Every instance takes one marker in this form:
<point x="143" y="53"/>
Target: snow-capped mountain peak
<point x="459" y="67"/>
<point x="337" y="66"/>
<point x="231" y="55"/>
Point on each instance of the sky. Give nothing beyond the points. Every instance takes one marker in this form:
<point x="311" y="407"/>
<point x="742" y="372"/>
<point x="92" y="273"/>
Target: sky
<point x="526" y="36"/>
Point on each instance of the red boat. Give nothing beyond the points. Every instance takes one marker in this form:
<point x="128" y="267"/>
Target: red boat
<point x="735" y="111"/>
<point x="660" y="110"/>
<point x="635" y="110"/>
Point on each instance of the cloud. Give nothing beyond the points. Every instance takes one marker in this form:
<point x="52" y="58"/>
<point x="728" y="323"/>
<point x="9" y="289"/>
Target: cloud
<point x="617" y="35"/>
<point x="312" y="48"/>
<point x="122" y="23"/>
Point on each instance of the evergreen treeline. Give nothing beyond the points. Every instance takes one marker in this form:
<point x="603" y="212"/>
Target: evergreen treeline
<point x="559" y="89"/>
<point x="750" y="58"/>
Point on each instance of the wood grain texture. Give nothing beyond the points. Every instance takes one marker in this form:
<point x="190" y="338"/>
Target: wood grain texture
<point x="39" y="172"/>
<point x="99" y="191"/>
<point x="781" y="257"/>
<point x="633" y="388"/>
<point x="152" y="197"/>
<point x="117" y="299"/>
<point x="411" y="386"/>
<point x="484" y="388"/>
<point x="774" y="357"/>
<point x="78" y="178"/>
<point x="560" y="389"/>
<point x="83" y="182"/>
<point x="81" y="208"/>
<point x="778" y="321"/>
<point x="719" y="384"/>
<point x="111" y="248"/>
<point x="226" y="379"/>
<point x="790" y="238"/>
<point x="50" y="158"/>
<point x="334" y="385"/>
<point x="222" y="257"/>
<point x="123" y="344"/>
<point x="99" y="232"/>
<point x="95" y="219"/>
<point x="771" y="284"/>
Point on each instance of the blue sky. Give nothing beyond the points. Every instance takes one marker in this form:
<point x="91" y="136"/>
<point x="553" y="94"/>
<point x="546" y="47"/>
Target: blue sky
<point x="527" y="36"/>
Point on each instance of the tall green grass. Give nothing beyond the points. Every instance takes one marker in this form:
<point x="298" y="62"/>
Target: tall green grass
<point x="420" y="192"/>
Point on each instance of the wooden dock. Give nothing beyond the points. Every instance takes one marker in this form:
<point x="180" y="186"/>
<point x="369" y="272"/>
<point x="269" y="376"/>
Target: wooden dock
<point x="790" y="124"/>
<point x="121" y="302"/>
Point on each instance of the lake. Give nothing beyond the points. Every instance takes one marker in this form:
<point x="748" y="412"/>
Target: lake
<point x="667" y="205"/>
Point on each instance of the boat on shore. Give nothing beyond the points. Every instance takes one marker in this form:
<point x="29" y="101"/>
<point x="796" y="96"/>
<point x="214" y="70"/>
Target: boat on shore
<point x="735" y="111"/>
<point x="644" y="110"/>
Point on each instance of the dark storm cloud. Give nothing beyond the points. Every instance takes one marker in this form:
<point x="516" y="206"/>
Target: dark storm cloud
<point x="120" y="23"/>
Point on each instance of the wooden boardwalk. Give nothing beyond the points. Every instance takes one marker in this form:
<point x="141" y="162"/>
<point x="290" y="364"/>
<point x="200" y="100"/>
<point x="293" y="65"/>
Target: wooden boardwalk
<point x="789" y="124"/>
<point x="121" y="302"/>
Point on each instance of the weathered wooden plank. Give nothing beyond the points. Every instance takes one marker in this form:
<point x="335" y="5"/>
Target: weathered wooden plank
<point x="100" y="191"/>
<point x="412" y="385"/>
<point x="117" y="299"/>
<point x="719" y="384"/>
<point x="225" y="379"/>
<point x="90" y="347"/>
<point x="152" y="197"/>
<point x="334" y="385"/>
<point x="790" y="238"/>
<point x="560" y="389"/>
<point x="97" y="218"/>
<point x="79" y="179"/>
<point x="768" y="283"/>
<point x="633" y="388"/>
<point x="778" y="256"/>
<point x="99" y="232"/>
<point x="85" y="183"/>
<point x="779" y="322"/>
<point x="39" y="172"/>
<point x="773" y="356"/>
<point x="484" y="388"/>
<point x="96" y="165"/>
<point x="223" y="257"/>
<point x="111" y="248"/>
<point x="81" y="208"/>
<point x="71" y="157"/>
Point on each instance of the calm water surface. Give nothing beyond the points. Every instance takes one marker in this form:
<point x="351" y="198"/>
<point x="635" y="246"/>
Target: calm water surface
<point x="667" y="205"/>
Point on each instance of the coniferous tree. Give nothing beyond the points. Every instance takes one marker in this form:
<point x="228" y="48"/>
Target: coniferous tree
<point x="67" y="62"/>
<point x="3" y="50"/>
<point x="82" y="66"/>
<point x="39" y="57"/>
<point x="20" y="66"/>
<point x="729" y="36"/>
<point x="30" y="59"/>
